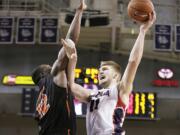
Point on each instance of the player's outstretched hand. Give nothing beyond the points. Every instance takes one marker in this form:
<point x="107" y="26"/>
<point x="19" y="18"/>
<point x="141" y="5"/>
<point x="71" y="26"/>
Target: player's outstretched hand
<point x="82" y="5"/>
<point x="70" y="48"/>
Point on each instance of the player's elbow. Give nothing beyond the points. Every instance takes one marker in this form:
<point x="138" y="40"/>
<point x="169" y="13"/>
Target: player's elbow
<point x="134" y="62"/>
<point x="135" y="59"/>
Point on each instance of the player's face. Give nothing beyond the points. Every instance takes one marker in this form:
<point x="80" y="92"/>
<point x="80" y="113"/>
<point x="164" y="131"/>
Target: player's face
<point x="105" y="75"/>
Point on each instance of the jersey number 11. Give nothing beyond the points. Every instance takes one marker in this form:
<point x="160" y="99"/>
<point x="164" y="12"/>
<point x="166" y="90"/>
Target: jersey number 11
<point x="94" y="105"/>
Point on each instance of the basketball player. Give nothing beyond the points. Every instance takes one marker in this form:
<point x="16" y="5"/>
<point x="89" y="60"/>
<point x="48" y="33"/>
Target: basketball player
<point x="106" y="108"/>
<point x="55" y="108"/>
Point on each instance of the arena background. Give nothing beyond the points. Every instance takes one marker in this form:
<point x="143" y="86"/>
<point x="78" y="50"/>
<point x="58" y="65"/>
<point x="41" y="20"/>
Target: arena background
<point x="107" y="33"/>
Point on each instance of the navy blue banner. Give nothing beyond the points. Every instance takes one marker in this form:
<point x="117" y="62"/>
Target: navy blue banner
<point x="177" y="37"/>
<point x="163" y="37"/>
<point x="49" y="31"/>
<point x="6" y="30"/>
<point x="26" y="30"/>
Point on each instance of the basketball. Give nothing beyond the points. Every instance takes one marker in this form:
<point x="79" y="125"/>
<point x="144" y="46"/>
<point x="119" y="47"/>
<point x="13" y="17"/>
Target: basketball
<point x="139" y="10"/>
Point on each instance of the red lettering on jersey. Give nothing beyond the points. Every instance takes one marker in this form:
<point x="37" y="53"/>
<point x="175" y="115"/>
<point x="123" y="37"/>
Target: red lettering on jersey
<point x="42" y="104"/>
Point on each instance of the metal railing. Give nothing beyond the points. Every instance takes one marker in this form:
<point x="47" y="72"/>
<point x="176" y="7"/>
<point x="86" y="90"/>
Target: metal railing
<point x="47" y="6"/>
<point x="19" y="5"/>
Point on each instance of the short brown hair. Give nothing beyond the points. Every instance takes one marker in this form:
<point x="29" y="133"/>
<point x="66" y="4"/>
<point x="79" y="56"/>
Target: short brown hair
<point x="114" y="65"/>
<point x="40" y="72"/>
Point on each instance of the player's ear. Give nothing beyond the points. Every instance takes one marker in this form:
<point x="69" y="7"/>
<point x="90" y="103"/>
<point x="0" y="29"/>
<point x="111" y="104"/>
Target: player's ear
<point x="115" y="75"/>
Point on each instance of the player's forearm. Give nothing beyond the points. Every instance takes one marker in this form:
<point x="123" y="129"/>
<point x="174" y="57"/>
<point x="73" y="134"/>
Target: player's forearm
<point x="81" y="93"/>
<point x="61" y="62"/>
<point x="74" y="30"/>
<point x="137" y="51"/>
<point x="71" y="71"/>
<point x="73" y="34"/>
<point x="62" y="57"/>
<point x="78" y="91"/>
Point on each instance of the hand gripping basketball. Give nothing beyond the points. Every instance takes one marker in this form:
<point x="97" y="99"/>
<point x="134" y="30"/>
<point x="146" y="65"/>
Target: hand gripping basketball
<point x="139" y="10"/>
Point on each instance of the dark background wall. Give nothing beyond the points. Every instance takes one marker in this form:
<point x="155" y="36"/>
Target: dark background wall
<point x="21" y="60"/>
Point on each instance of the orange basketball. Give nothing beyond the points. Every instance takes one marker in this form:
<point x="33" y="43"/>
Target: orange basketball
<point x="139" y="10"/>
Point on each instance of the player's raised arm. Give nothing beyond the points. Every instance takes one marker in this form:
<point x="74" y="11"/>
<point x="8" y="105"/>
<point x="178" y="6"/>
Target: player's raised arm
<point x="79" y="92"/>
<point x="135" y="57"/>
<point x="73" y="34"/>
<point x="74" y="29"/>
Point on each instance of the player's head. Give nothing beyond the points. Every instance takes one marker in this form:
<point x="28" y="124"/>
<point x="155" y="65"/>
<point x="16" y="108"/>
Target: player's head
<point x="109" y="72"/>
<point x="40" y="72"/>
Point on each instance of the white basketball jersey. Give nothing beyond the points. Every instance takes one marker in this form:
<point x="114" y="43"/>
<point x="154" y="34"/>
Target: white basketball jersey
<point x="105" y="113"/>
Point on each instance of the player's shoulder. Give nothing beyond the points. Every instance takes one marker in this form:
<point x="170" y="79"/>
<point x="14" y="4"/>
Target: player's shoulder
<point x="46" y="81"/>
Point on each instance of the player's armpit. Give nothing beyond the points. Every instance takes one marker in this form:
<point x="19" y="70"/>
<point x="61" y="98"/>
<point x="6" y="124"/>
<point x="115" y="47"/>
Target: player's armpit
<point x="124" y="92"/>
<point x="128" y="77"/>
